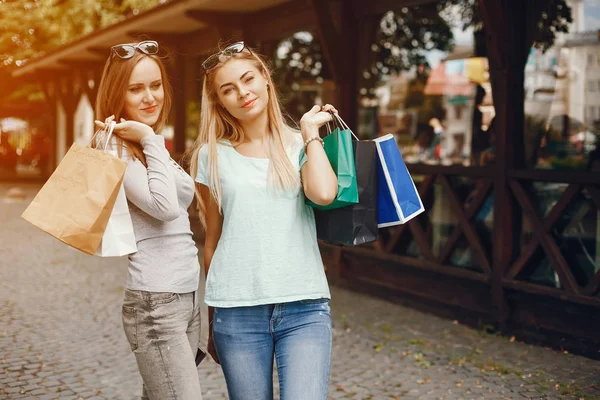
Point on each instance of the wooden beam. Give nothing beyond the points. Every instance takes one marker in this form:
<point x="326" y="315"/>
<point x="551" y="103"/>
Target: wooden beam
<point x="165" y="38"/>
<point x="465" y="224"/>
<point x="83" y="64"/>
<point x="551" y="292"/>
<point x="418" y="264"/>
<point x="219" y="19"/>
<point x="425" y="191"/>
<point x="556" y="212"/>
<point x="378" y="7"/>
<point x="553" y="253"/>
<point x="331" y="39"/>
<point x="280" y="21"/>
<point x="582" y="177"/>
<point x="100" y="51"/>
<point x="470" y="211"/>
<point x="43" y="75"/>
<point x="479" y="172"/>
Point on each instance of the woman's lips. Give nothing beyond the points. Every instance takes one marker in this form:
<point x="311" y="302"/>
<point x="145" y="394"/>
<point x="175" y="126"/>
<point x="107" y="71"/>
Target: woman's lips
<point x="150" y="110"/>
<point x="249" y="104"/>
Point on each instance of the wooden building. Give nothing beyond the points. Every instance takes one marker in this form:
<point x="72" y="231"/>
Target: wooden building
<point x="496" y="290"/>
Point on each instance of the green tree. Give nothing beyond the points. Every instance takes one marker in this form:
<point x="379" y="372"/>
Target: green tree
<point x="33" y="27"/>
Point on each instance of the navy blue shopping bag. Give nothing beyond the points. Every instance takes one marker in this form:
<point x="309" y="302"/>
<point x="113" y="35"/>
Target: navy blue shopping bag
<point x="398" y="200"/>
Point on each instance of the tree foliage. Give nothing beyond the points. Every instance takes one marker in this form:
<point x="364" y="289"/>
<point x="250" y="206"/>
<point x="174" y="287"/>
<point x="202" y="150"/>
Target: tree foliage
<point x="406" y="36"/>
<point x="33" y="27"/>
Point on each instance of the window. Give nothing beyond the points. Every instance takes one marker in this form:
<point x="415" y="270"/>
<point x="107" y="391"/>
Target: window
<point x="591" y="86"/>
<point x="429" y="86"/>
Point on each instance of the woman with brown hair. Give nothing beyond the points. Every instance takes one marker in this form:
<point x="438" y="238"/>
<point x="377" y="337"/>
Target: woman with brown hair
<point x="161" y="309"/>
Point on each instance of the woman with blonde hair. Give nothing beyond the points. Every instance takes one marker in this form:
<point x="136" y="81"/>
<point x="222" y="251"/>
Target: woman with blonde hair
<point x="266" y="288"/>
<point x="161" y="311"/>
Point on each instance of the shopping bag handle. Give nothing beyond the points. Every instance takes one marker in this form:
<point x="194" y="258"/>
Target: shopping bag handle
<point x="110" y="127"/>
<point x="343" y="124"/>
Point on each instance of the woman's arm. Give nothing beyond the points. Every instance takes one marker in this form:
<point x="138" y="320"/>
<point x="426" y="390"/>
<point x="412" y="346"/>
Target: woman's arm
<point x="318" y="179"/>
<point x="152" y="189"/>
<point x="214" y="226"/>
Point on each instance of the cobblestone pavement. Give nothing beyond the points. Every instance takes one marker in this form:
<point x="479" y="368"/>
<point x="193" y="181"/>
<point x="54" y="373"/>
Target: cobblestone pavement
<point x="61" y="337"/>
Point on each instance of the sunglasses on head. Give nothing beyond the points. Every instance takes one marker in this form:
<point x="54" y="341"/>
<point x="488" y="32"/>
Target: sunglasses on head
<point x="149" y="47"/>
<point x="213" y="60"/>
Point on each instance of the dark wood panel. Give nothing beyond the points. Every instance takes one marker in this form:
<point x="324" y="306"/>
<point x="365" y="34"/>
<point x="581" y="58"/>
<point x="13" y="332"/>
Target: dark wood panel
<point x="582" y="177"/>
<point x="404" y="261"/>
<point x="528" y="287"/>
<point x="473" y="172"/>
<point x="553" y="253"/>
<point x="451" y="291"/>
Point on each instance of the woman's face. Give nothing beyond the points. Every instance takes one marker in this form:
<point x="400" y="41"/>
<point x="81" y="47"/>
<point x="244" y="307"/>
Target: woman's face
<point x="241" y="89"/>
<point x="145" y="93"/>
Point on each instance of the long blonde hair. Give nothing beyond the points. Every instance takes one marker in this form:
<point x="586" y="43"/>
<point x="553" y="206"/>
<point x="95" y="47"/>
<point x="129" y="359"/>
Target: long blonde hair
<point x="217" y="123"/>
<point x="111" y="97"/>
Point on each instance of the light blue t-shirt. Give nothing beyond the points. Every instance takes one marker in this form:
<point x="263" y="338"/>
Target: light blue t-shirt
<point x="268" y="251"/>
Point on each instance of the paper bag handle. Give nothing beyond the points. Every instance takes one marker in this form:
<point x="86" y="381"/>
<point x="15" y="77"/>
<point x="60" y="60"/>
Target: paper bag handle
<point x="343" y="124"/>
<point x="109" y="128"/>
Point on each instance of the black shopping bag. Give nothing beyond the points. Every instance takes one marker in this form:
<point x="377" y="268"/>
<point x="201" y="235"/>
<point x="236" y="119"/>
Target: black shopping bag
<point x="356" y="224"/>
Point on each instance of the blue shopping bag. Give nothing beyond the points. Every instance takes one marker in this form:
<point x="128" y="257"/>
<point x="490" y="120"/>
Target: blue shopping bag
<point x="398" y="200"/>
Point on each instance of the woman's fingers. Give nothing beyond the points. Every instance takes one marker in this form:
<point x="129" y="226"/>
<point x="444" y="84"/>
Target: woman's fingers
<point x="329" y="108"/>
<point x="100" y="124"/>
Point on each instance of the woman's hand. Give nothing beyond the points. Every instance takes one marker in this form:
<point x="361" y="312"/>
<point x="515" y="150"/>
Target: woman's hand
<point x="212" y="350"/>
<point x="131" y="131"/>
<point x="315" y="118"/>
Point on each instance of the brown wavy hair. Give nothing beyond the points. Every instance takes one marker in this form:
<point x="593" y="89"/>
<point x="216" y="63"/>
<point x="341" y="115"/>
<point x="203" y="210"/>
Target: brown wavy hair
<point x="111" y="97"/>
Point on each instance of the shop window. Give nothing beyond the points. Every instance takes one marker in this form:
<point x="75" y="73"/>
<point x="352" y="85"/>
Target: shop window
<point x="562" y="129"/>
<point x="429" y="86"/>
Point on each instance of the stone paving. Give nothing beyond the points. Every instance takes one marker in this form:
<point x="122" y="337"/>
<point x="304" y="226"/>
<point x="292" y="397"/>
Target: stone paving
<point x="61" y="338"/>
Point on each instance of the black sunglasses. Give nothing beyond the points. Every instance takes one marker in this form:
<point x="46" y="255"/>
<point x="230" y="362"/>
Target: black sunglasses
<point x="213" y="60"/>
<point x="149" y="47"/>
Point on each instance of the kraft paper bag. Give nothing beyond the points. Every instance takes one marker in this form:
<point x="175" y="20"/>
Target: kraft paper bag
<point x="76" y="202"/>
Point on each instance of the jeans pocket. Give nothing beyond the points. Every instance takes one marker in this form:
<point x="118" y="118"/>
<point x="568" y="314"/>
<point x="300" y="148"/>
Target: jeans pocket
<point x="157" y="299"/>
<point x="130" y="326"/>
<point x="315" y="301"/>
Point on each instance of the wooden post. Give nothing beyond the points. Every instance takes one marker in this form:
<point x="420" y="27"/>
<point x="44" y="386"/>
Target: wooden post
<point x="179" y="102"/>
<point x="506" y="26"/>
<point x="51" y="100"/>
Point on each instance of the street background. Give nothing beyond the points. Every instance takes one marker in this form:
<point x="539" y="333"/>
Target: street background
<point x="61" y="337"/>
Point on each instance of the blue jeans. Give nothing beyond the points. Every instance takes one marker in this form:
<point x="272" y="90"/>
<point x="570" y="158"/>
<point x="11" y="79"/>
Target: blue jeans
<point x="297" y="334"/>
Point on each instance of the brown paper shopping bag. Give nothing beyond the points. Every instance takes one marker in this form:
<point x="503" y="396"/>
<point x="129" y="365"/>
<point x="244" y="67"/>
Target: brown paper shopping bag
<point x="75" y="204"/>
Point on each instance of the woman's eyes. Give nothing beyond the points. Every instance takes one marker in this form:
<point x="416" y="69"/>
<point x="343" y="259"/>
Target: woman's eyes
<point x="138" y="89"/>
<point x="229" y="90"/>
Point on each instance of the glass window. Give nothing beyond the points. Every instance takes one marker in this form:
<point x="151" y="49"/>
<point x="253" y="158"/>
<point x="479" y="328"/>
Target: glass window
<point x="562" y="125"/>
<point x="428" y="85"/>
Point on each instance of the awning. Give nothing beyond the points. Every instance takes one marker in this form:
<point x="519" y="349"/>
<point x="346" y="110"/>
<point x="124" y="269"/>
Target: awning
<point x="195" y="24"/>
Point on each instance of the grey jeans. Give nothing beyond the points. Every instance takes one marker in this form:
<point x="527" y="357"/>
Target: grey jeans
<point x="163" y="330"/>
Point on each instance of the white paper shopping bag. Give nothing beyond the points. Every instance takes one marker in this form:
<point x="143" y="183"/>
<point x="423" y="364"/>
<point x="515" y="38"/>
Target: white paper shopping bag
<point x="119" y="238"/>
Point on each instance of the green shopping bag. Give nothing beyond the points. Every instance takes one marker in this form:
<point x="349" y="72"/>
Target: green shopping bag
<point x="339" y="150"/>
